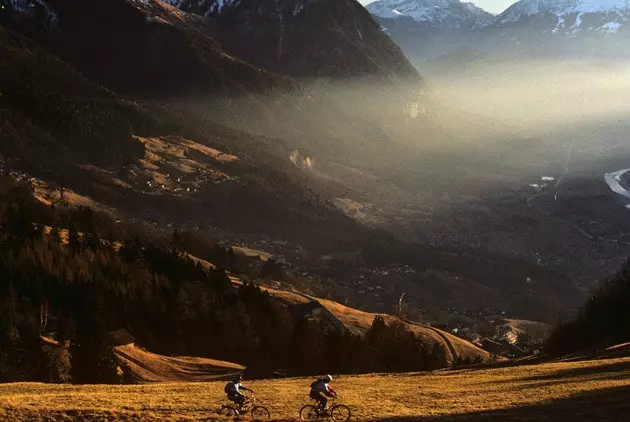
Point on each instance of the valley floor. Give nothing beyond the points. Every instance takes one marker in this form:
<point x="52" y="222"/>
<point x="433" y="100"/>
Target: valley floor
<point x="574" y="391"/>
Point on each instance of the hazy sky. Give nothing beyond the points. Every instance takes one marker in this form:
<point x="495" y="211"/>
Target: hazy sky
<point x="492" y="6"/>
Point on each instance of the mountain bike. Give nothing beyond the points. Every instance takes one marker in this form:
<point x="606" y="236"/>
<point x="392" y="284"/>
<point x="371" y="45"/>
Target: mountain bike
<point x="258" y="412"/>
<point x="336" y="412"/>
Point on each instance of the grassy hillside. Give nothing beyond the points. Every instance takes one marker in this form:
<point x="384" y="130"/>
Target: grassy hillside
<point x="150" y="367"/>
<point x="456" y="350"/>
<point x="580" y="391"/>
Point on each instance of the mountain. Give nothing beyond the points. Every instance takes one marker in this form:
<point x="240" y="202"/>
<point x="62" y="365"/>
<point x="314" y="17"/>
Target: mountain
<point x="441" y="14"/>
<point x="573" y="16"/>
<point x="565" y="27"/>
<point x="301" y="38"/>
<point x="140" y="48"/>
<point x="429" y="29"/>
<point x="152" y="49"/>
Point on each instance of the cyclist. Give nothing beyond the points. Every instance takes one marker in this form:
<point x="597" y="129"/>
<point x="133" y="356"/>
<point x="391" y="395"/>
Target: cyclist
<point x="321" y="390"/>
<point x="233" y="390"/>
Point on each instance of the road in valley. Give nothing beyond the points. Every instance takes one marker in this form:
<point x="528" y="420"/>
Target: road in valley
<point x="614" y="182"/>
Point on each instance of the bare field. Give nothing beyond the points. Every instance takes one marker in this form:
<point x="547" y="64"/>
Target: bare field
<point x="575" y="391"/>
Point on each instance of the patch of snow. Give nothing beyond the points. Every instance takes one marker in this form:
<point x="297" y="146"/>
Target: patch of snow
<point x="610" y="27"/>
<point x="559" y="25"/>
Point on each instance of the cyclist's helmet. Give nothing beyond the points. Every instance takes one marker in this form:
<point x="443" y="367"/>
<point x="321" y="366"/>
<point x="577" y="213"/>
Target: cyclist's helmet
<point x="328" y="378"/>
<point x="239" y="378"/>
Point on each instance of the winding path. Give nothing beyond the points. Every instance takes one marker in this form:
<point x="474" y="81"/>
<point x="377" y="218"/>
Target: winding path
<point x="449" y="345"/>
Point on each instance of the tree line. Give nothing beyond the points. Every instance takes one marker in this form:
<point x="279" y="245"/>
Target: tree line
<point x="603" y="320"/>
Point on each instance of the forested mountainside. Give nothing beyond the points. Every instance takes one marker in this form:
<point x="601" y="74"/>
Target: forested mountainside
<point x="75" y="276"/>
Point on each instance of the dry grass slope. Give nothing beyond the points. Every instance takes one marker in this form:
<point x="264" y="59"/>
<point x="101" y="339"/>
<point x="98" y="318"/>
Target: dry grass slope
<point x="359" y="322"/>
<point x="577" y="391"/>
<point x="150" y="367"/>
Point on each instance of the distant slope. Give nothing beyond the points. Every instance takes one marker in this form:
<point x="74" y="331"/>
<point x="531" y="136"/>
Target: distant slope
<point x="359" y="322"/>
<point x="457" y="350"/>
<point x="145" y="366"/>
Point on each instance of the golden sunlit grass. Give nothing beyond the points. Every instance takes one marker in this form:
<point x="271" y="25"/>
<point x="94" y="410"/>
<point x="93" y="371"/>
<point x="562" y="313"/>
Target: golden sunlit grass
<point x="147" y="366"/>
<point x="241" y="250"/>
<point x="509" y="392"/>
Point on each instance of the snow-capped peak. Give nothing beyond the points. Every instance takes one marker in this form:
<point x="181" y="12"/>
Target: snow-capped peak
<point x="441" y="13"/>
<point x="524" y="8"/>
<point x="201" y="7"/>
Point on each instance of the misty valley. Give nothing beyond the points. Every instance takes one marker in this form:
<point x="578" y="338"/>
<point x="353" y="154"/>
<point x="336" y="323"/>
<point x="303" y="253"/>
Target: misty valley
<point x="415" y="193"/>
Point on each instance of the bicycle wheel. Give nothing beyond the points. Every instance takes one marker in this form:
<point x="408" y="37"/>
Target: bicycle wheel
<point x="260" y="412"/>
<point x="227" y="410"/>
<point x="340" y="413"/>
<point x="309" y="413"/>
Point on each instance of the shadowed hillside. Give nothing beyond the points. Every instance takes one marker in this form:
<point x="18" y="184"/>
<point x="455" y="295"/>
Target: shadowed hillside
<point x="148" y="49"/>
<point x="602" y="322"/>
<point x="48" y="111"/>
<point x="338" y="39"/>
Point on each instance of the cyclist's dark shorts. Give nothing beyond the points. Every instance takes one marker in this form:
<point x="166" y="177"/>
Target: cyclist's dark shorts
<point x="316" y="395"/>
<point x="237" y="398"/>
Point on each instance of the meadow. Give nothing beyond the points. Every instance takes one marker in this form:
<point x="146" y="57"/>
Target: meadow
<point x="597" y="390"/>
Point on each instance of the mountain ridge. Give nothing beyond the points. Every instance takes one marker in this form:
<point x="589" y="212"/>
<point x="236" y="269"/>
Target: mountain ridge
<point x="443" y="14"/>
<point x="547" y="28"/>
